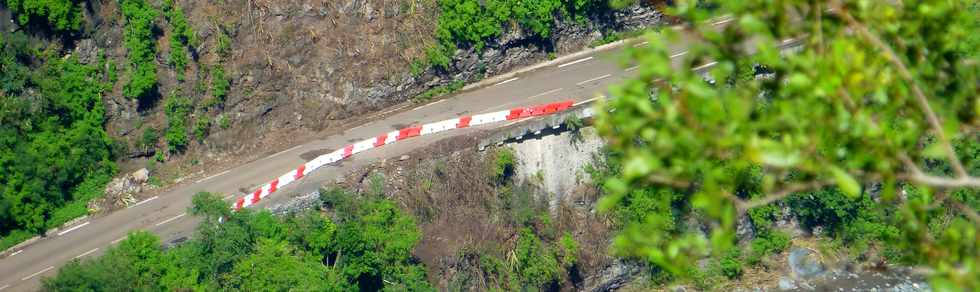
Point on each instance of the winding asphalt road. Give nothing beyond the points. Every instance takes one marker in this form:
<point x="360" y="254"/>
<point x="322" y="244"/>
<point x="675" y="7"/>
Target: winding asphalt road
<point x="579" y="77"/>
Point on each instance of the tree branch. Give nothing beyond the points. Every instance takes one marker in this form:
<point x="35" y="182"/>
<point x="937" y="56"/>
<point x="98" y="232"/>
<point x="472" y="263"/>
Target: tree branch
<point x="785" y="192"/>
<point x="907" y="76"/>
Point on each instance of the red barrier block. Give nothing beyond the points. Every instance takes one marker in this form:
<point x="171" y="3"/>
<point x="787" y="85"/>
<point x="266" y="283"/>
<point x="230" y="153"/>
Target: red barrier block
<point x="538" y="110"/>
<point x="348" y="151"/>
<point x="464" y="122"/>
<point x="273" y="185"/>
<point x="299" y="171"/>
<point x="255" y="196"/>
<point x="380" y="140"/>
<point x="515" y="114"/>
<point x="564" y="105"/>
<point x="408" y="133"/>
<point x="239" y="203"/>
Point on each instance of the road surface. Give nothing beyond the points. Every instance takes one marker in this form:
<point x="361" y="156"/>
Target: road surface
<point x="579" y="79"/>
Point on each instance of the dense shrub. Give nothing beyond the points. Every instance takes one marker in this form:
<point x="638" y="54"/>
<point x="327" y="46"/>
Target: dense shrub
<point x="177" y="109"/>
<point x="52" y="140"/>
<point x="181" y="36"/>
<point x="470" y="23"/>
<point x="370" y="250"/>
<point x="140" y="40"/>
<point x="62" y="15"/>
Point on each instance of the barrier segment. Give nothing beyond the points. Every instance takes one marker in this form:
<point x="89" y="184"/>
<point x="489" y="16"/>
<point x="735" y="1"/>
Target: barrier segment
<point x="392" y="137"/>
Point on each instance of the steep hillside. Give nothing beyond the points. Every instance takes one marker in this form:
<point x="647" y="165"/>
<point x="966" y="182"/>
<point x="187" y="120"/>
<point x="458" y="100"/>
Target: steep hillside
<point x="184" y="84"/>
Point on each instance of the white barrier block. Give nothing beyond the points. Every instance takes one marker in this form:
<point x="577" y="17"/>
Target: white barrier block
<point x="363" y="145"/>
<point x="392" y="137"/>
<point x="286" y="179"/>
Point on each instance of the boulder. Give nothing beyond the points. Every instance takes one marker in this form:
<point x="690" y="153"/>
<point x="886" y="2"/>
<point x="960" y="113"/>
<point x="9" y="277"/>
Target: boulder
<point x="805" y="263"/>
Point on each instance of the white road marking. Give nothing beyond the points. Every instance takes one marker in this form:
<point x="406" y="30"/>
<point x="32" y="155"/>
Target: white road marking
<point x="228" y="196"/>
<point x="594" y="79"/>
<point x="671" y="56"/>
<point x="705" y="66"/>
<point x="641" y="44"/>
<point x="786" y="41"/>
<point x="678" y="54"/>
<point x="118" y="239"/>
<point x="38" y="273"/>
<point x="144" y="201"/>
<point x="213" y="176"/>
<point x="506" y="81"/>
<point x="17" y="252"/>
<point x="171" y="219"/>
<point x="287" y="150"/>
<point x="575" y="62"/>
<point x="5" y="287"/>
<point x="87" y="253"/>
<point x="418" y="108"/>
<point x="73" y="228"/>
<point x="587" y="100"/>
<point x="545" y="93"/>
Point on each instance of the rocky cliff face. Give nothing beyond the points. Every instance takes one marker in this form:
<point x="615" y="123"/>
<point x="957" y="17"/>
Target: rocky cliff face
<point x="304" y="65"/>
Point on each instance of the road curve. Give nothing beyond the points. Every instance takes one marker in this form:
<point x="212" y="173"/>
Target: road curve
<point x="580" y="78"/>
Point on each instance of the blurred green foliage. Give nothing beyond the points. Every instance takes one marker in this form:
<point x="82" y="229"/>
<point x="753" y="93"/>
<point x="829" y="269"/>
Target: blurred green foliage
<point x="866" y="130"/>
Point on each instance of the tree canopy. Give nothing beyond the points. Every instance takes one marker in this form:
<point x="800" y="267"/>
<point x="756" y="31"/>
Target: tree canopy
<point x="51" y="133"/>
<point x="369" y="248"/>
<point x="62" y="15"/>
<point x="872" y="121"/>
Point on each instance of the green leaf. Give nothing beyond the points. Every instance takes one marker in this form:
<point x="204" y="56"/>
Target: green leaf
<point x="846" y="182"/>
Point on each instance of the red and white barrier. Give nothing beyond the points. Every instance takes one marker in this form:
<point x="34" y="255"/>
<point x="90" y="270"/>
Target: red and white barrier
<point x="392" y="137"/>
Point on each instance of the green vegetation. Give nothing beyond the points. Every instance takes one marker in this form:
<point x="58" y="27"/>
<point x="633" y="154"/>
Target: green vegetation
<point x="181" y="36"/>
<point x="470" y="23"/>
<point x="219" y="84"/>
<point x="178" y="109"/>
<point x="503" y="166"/>
<point x="61" y="15"/>
<point x="140" y="40"/>
<point x="223" y="122"/>
<point x="440" y="90"/>
<point x="54" y="153"/>
<point x="366" y="245"/>
<point x="860" y="132"/>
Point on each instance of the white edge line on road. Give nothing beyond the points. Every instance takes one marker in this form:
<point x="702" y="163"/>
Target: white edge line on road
<point x="147" y="200"/>
<point x="544" y="93"/>
<point x="594" y="79"/>
<point x="576" y="62"/>
<point x="171" y="219"/>
<point x="86" y="253"/>
<point x="287" y="150"/>
<point x="4" y="286"/>
<point x="671" y="56"/>
<point x="228" y="196"/>
<point x="38" y="273"/>
<point x="73" y="228"/>
<point x="641" y="44"/>
<point x="213" y="176"/>
<point x="586" y="101"/>
<point x="712" y="63"/>
<point x="17" y="252"/>
<point x="119" y="239"/>
<point x="418" y="108"/>
<point x="506" y="81"/>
